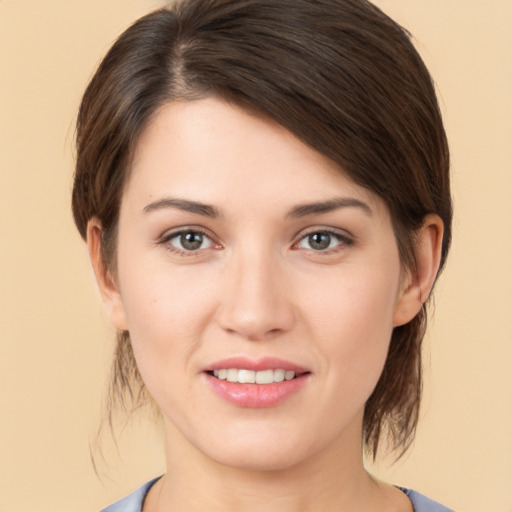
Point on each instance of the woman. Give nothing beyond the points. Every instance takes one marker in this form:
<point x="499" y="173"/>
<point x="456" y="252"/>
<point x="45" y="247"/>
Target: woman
<point x="263" y="187"/>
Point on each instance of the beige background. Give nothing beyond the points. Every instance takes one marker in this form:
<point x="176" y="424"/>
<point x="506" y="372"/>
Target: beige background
<point x="55" y="339"/>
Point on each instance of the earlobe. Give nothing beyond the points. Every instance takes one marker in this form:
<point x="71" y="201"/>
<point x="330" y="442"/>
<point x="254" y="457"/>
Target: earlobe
<point x="106" y="281"/>
<point x="417" y="286"/>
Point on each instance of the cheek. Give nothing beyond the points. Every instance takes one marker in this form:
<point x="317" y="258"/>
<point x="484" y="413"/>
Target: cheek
<point x="159" y="297"/>
<point x="353" y="321"/>
<point x="166" y="313"/>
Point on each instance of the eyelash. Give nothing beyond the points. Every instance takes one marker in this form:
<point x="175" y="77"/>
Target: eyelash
<point x="343" y="240"/>
<point x="166" y="241"/>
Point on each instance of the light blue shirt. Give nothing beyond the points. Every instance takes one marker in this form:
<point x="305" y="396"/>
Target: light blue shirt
<point x="133" y="502"/>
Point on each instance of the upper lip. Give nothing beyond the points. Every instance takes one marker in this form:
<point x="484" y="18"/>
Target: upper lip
<point x="263" y="363"/>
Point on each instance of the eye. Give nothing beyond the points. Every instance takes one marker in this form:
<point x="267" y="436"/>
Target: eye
<point x="188" y="241"/>
<point x="323" y="241"/>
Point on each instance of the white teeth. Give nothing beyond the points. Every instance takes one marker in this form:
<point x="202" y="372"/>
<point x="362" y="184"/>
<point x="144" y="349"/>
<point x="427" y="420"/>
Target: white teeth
<point x="264" y="377"/>
<point x="232" y="375"/>
<point x="279" y="375"/>
<point x="252" y="377"/>
<point x="246" y="376"/>
<point x="289" y="375"/>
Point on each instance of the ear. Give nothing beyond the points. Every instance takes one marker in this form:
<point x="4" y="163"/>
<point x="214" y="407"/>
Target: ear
<point x="106" y="280"/>
<point x="418" y="282"/>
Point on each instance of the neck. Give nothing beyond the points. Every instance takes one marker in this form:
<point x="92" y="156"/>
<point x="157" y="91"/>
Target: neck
<point x="333" y="479"/>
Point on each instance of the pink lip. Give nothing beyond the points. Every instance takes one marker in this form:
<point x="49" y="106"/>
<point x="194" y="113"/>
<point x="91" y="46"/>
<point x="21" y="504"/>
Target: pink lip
<point x="256" y="395"/>
<point x="265" y="363"/>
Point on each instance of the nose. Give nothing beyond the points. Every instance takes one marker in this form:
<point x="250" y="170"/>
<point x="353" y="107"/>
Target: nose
<point x="255" y="302"/>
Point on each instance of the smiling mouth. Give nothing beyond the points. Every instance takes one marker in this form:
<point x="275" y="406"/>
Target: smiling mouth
<point x="243" y="376"/>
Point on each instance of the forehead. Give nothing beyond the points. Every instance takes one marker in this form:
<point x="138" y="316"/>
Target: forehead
<point x="214" y="151"/>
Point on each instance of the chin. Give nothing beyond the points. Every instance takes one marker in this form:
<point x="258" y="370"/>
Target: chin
<point x="263" y="453"/>
<point x="264" y="462"/>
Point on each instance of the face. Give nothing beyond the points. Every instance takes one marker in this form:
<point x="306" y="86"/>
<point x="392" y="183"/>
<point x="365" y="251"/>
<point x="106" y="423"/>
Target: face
<point x="260" y="287"/>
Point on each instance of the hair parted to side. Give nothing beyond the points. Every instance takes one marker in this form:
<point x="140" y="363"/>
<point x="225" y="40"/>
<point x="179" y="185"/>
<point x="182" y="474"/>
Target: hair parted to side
<point x="340" y="75"/>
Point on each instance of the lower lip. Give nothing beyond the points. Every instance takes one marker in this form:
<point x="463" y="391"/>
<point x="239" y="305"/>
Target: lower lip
<point x="256" y="396"/>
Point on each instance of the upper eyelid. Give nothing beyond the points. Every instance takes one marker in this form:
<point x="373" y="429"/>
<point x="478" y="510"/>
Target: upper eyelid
<point x="343" y="233"/>
<point x="165" y="241"/>
<point x="344" y="238"/>
<point x="300" y="235"/>
<point x="171" y="233"/>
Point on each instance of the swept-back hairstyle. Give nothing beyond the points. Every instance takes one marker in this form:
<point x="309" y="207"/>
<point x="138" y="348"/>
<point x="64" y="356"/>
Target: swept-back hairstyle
<point x="339" y="74"/>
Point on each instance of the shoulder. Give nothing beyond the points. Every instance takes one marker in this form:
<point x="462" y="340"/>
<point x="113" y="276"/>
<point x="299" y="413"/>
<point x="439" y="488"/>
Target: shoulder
<point x="423" y="504"/>
<point x="133" y="502"/>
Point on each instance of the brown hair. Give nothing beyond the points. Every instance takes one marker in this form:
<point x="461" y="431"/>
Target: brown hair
<point x="339" y="74"/>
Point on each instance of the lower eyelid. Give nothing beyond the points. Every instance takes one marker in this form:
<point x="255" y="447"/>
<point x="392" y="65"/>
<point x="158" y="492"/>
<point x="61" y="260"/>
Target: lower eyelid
<point x="166" y="239"/>
<point x="342" y="239"/>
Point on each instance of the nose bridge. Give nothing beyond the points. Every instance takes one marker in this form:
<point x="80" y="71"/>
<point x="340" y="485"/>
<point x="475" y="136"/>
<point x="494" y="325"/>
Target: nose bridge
<point x="254" y="302"/>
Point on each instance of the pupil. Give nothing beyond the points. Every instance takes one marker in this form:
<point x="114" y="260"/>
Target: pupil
<point x="319" y="241"/>
<point x="191" y="241"/>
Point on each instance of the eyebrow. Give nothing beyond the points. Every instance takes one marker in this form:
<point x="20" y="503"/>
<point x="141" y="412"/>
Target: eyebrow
<point x="185" y="205"/>
<point x="303" y="210"/>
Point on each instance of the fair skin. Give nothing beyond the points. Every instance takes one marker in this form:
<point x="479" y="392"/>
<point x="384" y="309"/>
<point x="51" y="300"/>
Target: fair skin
<point x="236" y="240"/>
